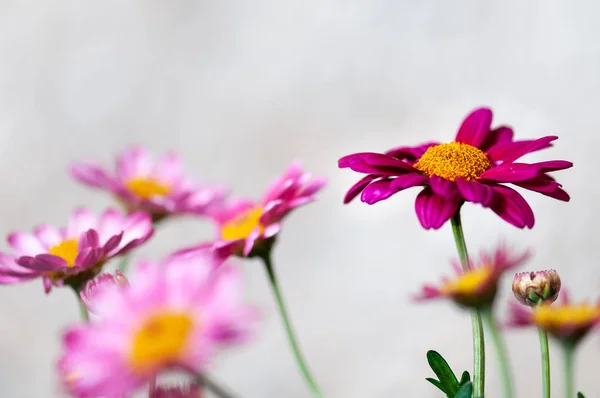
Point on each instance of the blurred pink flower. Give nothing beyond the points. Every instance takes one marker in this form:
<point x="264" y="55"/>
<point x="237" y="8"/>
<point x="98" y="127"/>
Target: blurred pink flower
<point x="477" y="286"/>
<point x="160" y="188"/>
<point x="103" y="281"/>
<point x="188" y="391"/>
<point x="172" y="315"/>
<point x="75" y="254"/>
<point x="244" y="224"/>
<point x="473" y="168"/>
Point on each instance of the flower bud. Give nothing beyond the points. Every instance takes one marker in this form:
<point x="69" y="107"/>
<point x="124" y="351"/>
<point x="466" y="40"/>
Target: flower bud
<point x="99" y="283"/>
<point x="534" y="288"/>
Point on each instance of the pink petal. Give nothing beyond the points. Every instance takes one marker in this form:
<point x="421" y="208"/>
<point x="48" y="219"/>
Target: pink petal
<point x="553" y="165"/>
<point x="545" y="185"/>
<point x="24" y="244"/>
<point x="511" y="172"/>
<point x="511" y="151"/>
<point x="314" y="186"/>
<point x="512" y="207"/>
<point x="475" y="192"/>
<point x="110" y="224"/>
<point x="410" y="154"/>
<point x="475" y="127"/>
<point x="89" y="239"/>
<point x="134" y="162"/>
<point x="92" y="175"/>
<point x="42" y="262"/>
<point x="271" y="230"/>
<point x="47" y="284"/>
<point x="249" y="242"/>
<point x="111" y="246"/>
<point x="434" y="210"/>
<point x="377" y="191"/>
<point x="9" y="267"/>
<point x="375" y="163"/>
<point x="169" y="168"/>
<point x="499" y="135"/>
<point x="408" y="180"/>
<point x="80" y="221"/>
<point x="48" y="235"/>
<point x="358" y="187"/>
<point x="232" y="209"/>
<point x="444" y="188"/>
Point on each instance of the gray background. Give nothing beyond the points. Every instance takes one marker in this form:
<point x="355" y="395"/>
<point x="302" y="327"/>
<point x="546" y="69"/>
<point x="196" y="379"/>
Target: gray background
<point x="241" y="88"/>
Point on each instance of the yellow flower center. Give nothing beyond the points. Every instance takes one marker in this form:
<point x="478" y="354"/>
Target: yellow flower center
<point x="548" y="316"/>
<point x="67" y="250"/>
<point x="160" y="340"/>
<point x="146" y="188"/>
<point x="453" y="160"/>
<point x="467" y="283"/>
<point x="241" y="226"/>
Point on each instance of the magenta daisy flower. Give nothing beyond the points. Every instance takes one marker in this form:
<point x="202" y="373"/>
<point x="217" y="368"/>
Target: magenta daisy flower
<point x="75" y="254"/>
<point x="160" y="188"/>
<point x="245" y="223"/>
<point x="472" y="168"/>
<point x="564" y="320"/>
<point x="171" y="316"/>
<point x="477" y="286"/>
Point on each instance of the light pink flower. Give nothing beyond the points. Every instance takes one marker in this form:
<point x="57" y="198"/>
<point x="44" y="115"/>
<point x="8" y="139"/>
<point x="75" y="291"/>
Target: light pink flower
<point x="75" y="254"/>
<point x="243" y="224"/>
<point x="188" y="391"/>
<point x="172" y="315"/>
<point x="103" y="281"/>
<point x="161" y="188"/>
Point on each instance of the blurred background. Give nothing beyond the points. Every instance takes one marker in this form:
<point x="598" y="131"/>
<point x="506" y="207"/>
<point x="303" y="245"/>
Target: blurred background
<point x="242" y="88"/>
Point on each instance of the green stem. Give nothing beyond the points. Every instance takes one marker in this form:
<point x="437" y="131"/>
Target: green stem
<point x="82" y="308"/>
<point x="478" y="337"/>
<point x="545" y="362"/>
<point x="123" y="264"/>
<point x="500" y="350"/>
<point x="288" y="327"/>
<point x="568" y="354"/>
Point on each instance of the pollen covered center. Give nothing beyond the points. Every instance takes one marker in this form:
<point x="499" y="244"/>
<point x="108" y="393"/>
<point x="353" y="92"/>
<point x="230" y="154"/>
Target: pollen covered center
<point x="468" y="283"/>
<point x="453" y="160"/>
<point x="161" y="339"/>
<point x="67" y="250"/>
<point x="146" y="188"/>
<point x="242" y="226"/>
<point x="552" y="316"/>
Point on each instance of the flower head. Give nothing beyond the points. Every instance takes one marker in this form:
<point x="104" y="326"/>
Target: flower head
<point x="472" y="168"/>
<point x="566" y="321"/>
<point x="95" y="286"/>
<point x="160" y="188"/>
<point x="245" y="225"/>
<point x="172" y="315"/>
<point x="188" y="391"/>
<point x="533" y="288"/>
<point x="75" y="254"/>
<point x="477" y="286"/>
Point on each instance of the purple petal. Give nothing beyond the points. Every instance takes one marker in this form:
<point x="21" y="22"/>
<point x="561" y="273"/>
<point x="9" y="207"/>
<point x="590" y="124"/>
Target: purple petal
<point x="512" y="207"/>
<point x="80" y="221"/>
<point x="553" y="165"/>
<point x="47" y="284"/>
<point x="89" y="238"/>
<point x="499" y="135"/>
<point x="374" y="163"/>
<point x="475" y="127"/>
<point x="409" y="153"/>
<point x="408" y="180"/>
<point x="249" y="242"/>
<point x="24" y="244"/>
<point x="511" y="172"/>
<point x="48" y="235"/>
<point x="444" y="188"/>
<point x="475" y="192"/>
<point x="134" y="162"/>
<point x="378" y="191"/>
<point x="112" y="244"/>
<point x="88" y="257"/>
<point x="358" y="187"/>
<point x="434" y="210"/>
<point x="511" y="151"/>
<point x="169" y="169"/>
<point x="92" y="175"/>
<point x="545" y="185"/>
<point x="42" y="262"/>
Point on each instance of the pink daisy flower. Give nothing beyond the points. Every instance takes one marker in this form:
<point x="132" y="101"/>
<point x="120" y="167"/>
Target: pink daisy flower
<point x="93" y="287"/>
<point x="245" y="224"/>
<point x="75" y="254"/>
<point x="472" y="168"/>
<point x="477" y="286"/>
<point x="566" y="321"/>
<point x="171" y="316"/>
<point x="160" y="188"/>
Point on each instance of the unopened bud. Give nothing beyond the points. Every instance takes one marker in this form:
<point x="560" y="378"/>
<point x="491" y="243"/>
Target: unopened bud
<point x="534" y="288"/>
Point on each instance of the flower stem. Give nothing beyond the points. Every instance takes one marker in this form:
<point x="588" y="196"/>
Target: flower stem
<point x="82" y="308"/>
<point x="123" y="264"/>
<point x="545" y="362"/>
<point x="568" y="354"/>
<point x="488" y="317"/>
<point x="478" y="337"/>
<point x="288" y="327"/>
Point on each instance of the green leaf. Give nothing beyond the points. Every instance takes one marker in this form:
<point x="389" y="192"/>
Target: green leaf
<point x="465" y="378"/>
<point x="448" y="381"/>
<point x="436" y="383"/>
<point x="580" y="395"/>
<point x="465" y="391"/>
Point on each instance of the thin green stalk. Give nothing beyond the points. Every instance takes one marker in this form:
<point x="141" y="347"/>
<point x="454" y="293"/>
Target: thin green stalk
<point x="82" y="308"/>
<point x="568" y="354"/>
<point x="478" y="337"/>
<point x="288" y="327"/>
<point x="488" y="317"/>
<point x="123" y="264"/>
<point x="545" y="362"/>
